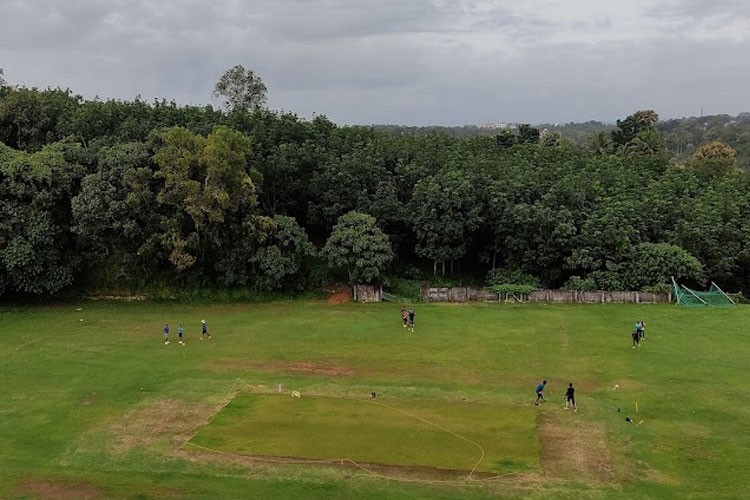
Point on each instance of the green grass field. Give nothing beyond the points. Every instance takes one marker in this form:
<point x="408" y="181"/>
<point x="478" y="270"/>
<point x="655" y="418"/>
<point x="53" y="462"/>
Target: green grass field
<point x="101" y="408"/>
<point x="362" y="431"/>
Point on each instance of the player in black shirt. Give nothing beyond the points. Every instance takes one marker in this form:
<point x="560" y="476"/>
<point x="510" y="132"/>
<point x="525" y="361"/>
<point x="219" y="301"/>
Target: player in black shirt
<point x="570" y="397"/>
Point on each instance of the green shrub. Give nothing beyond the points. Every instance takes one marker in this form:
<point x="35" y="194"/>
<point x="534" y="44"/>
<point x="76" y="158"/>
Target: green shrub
<point x="408" y="289"/>
<point x="409" y="272"/>
<point x="505" y="289"/>
<point x="607" y="280"/>
<point x="578" y="283"/>
<point x="506" y="275"/>
<point x="440" y="281"/>
<point x="320" y="274"/>
<point x="738" y="298"/>
<point x="197" y="294"/>
<point x="653" y="263"/>
<point x="659" y="288"/>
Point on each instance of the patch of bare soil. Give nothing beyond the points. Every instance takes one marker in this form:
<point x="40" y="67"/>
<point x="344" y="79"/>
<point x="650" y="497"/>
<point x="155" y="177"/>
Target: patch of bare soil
<point x="301" y="367"/>
<point x="574" y="448"/>
<point x="316" y="369"/>
<point x="161" y="418"/>
<point x="48" y="489"/>
<point x="340" y="297"/>
<point x="89" y="399"/>
<point x="122" y="298"/>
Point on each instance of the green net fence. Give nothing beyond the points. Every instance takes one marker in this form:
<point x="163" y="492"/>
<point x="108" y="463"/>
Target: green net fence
<point x="714" y="297"/>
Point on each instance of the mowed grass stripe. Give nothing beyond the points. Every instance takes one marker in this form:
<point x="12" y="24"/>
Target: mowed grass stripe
<point x="463" y="437"/>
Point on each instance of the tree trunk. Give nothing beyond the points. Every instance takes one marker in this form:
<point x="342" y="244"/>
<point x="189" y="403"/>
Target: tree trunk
<point x="494" y="259"/>
<point x="434" y="266"/>
<point x="443" y="263"/>
<point x="18" y="135"/>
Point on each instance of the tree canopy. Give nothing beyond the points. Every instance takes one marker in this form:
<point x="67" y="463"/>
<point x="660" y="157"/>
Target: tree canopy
<point x="241" y="89"/>
<point x="358" y="245"/>
<point x="131" y="193"/>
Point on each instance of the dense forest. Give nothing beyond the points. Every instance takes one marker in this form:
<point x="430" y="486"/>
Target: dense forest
<point x="124" y="195"/>
<point x="682" y="137"/>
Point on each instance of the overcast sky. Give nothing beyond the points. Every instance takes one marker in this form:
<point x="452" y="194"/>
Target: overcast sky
<point x="412" y="62"/>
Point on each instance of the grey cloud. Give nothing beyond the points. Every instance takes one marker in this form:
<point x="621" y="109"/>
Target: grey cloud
<point x="372" y="65"/>
<point x="573" y="82"/>
<point x="684" y="15"/>
<point x="700" y="8"/>
<point x="310" y="22"/>
<point x="521" y="28"/>
<point x="415" y="62"/>
<point x="45" y="24"/>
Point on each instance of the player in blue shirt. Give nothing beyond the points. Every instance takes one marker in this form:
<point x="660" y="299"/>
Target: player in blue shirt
<point x="204" y="330"/>
<point x="180" y="331"/>
<point x="540" y="392"/>
<point x="166" y="334"/>
<point x="639" y="326"/>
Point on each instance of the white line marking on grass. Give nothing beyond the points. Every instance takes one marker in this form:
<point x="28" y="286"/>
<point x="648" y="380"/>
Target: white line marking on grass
<point x="342" y="461"/>
<point x="481" y="457"/>
<point x="225" y="401"/>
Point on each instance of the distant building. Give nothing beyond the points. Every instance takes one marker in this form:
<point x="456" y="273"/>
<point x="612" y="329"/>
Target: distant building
<point x="497" y="125"/>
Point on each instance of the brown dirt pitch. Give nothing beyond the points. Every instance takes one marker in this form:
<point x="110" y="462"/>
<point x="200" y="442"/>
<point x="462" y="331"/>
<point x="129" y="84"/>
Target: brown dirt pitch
<point x="58" y="490"/>
<point x="572" y="448"/>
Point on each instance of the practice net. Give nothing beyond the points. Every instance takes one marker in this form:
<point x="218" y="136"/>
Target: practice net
<point x="714" y="297"/>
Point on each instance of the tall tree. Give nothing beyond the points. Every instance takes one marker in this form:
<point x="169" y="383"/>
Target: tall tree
<point x="714" y="228"/>
<point x="241" y="89"/>
<point x="355" y="177"/>
<point x="112" y="231"/>
<point x="634" y="124"/>
<point x="280" y="258"/>
<point x="206" y="192"/>
<point x="23" y="121"/>
<point x="715" y="159"/>
<point x="600" y="143"/>
<point x="647" y="142"/>
<point x="36" y="252"/>
<point x="445" y="213"/>
<point x="357" y="244"/>
<point x="651" y="264"/>
<point x="528" y="134"/>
